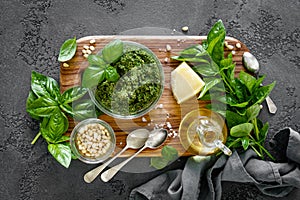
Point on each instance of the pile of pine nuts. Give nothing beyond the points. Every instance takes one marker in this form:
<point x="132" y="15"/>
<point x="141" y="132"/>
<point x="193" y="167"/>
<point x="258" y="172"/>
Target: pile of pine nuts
<point x="93" y="140"/>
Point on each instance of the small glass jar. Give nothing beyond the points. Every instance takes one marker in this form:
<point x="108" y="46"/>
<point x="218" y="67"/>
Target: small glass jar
<point x="92" y="140"/>
<point x="203" y="132"/>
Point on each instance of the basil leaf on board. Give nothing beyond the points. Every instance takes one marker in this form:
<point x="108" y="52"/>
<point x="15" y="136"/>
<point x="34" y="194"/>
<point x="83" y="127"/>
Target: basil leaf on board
<point x="241" y="90"/>
<point x="44" y="86"/>
<point x="216" y="48"/>
<point x="158" y="162"/>
<point x="73" y="94"/>
<point x="169" y="153"/>
<point x="84" y="109"/>
<point x="205" y="70"/>
<point x="67" y="50"/>
<point x="92" y="76"/>
<point x="241" y="130"/>
<point x="208" y="86"/>
<point x="234" y="119"/>
<point x="42" y="107"/>
<point x="111" y="74"/>
<point x="62" y="153"/>
<point x="112" y="51"/>
<point x="193" y="51"/>
<point x="248" y="80"/>
<point x="252" y="112"/>
<point x="96" y="60"/>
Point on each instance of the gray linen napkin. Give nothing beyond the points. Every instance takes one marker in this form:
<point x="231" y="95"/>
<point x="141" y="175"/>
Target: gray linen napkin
<point x="202" y="175"/>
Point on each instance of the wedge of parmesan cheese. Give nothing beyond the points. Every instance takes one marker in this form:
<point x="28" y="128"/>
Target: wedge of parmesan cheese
<point x="185" y="83"/>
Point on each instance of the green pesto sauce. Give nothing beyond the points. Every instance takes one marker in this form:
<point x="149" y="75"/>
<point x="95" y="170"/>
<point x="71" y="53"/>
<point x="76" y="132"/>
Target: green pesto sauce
<point x="138" y="87"/>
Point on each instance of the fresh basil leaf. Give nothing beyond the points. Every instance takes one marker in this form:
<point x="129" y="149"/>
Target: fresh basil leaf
<point x="258" y="83"/>
<point x="92" y="76"/>
<point x="218" y="108"/>
<point x="111" y="74"/>
<point x="234" y="119"/>
<point x="216" y="47"/>
<point x="263" y="132"/>
<point x="193" y="51"/>
<point x="42" y="107"/>
<point x="261" y="93"/>
<point x="73" y="156"/>
<point x="217" y="29"/>
<point x="67" y="108"/>
<point x="44" y="86"/>
<point x="208" y="86"/>
<point x="252" y="112"/>
<point x="158" y="162"/>
<point x="205" y="70"/>
<point x="96" y="60"/>
<point x="30" y="99"/>
<point x="234" y="103"/>
<point x="241" y="130"/>
<point x="241" y="90"/>
<point x="53" y="127"/>
<point x="248" y="80"/>
<point x="245" y="142"/>
<point x="169" y="153"/>
<point x="67" y="50"/>
<point x="84" y="109"/>
<point x="63" y="138"/>
<point x="73" y="94"/>
<point x="112" y="51"/>
<point x="62" y="153"/>
<point x="233" y="142"/>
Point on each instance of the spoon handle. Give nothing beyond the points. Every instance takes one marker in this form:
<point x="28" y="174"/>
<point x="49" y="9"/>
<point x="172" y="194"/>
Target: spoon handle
<point x="271" y="105"/>
<point x="91" y="175"/>
<point x="108" y="174"/>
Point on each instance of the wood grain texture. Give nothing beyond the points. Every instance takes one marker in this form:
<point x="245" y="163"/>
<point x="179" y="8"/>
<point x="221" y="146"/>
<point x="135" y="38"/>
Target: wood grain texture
<point x="71" y="76"/>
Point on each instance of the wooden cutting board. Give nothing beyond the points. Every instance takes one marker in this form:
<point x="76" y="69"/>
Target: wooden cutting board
<point x="170" y="112"/>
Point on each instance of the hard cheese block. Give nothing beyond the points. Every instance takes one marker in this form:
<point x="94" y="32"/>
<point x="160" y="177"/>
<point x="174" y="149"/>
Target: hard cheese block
<point x="185" y="83"/>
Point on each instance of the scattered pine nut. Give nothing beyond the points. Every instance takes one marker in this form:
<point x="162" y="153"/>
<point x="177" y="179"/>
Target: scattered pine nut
<point x="88" y="51"/>
<point x="166" y="60"/>
<point x="185" y="28"/>
<point x="92" y="41"/>
<point x="83" y="51"/>
<point x="238" y="45"/>
<point x="92" y="48"/>
<point x="85" y="55"/>
<point x="66" y="65"/>
<point x="168" y="47"/>
<point x="233" y="52"/>
<point x="86" y="47"/>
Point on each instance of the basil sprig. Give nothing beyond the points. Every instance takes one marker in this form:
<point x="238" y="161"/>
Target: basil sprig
<point x="67" y="50"/>
<point x="99" y="68"/>
<point x="46" y="104"/>
<point x="237" y="99"/>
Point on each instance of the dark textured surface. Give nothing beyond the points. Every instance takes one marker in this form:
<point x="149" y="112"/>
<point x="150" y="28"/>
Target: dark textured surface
<point x="31" y="33"/>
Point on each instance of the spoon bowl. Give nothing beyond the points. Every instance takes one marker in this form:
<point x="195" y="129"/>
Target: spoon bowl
<point x="156" y="138"/>
<point x="135" y="140"/>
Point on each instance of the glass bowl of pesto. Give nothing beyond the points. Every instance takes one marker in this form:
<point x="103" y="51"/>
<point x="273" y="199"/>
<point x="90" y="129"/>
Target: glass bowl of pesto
<point x="138" y="88"/>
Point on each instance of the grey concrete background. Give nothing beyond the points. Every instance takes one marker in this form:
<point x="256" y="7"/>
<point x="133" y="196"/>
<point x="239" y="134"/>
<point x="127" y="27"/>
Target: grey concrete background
<point x="31" y="32"/>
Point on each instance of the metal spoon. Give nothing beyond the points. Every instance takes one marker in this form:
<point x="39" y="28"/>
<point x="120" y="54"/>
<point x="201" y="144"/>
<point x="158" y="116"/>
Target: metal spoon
<point x="252" y="65"/>
<point x="135" y="140"/>
<point x="156" y="138"/>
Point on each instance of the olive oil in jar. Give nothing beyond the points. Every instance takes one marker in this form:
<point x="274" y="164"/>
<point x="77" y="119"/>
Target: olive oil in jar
<point x="201" y="132"/>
